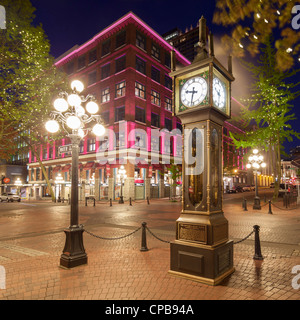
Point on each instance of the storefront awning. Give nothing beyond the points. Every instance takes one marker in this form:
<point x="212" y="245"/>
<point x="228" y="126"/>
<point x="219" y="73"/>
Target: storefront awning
<point x="100" y="166"/>
<point x="56" y="169"/>
<point x="88" y="166"/>
<point x="66" y="168"/>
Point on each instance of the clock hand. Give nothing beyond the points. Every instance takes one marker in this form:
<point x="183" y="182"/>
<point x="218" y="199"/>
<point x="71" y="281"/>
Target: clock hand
<point x="192" y="95"/>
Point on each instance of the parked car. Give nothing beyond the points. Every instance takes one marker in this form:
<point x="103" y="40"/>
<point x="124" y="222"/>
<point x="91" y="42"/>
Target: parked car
<point x="9" y="197"/>
<point x="252" y="187"/>
<point x="272" y="185"/>
<point x="231" y="190"/>
<point x="239" y="189"/>
<point x="246" y="188"/>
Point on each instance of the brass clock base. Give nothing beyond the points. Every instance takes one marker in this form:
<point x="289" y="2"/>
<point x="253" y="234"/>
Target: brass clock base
<point x="202" y="263"/>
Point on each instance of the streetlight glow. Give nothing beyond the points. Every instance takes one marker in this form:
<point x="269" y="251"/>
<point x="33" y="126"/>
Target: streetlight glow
<point x="92" y="107"/>
<point x="77" y="86"/>
<point x="73" y="122"/>
<point x="74" y="100"/>
<point x="52" y="126"/>
<point x="61" y="105"/>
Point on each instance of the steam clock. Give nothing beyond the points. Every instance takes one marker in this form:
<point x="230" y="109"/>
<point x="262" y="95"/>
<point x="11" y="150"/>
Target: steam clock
<point x="202" y="250"/>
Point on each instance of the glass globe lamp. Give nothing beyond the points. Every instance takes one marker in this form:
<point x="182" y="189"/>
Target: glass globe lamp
<point x="73" y="122"/>
<point x="52" y="126"/>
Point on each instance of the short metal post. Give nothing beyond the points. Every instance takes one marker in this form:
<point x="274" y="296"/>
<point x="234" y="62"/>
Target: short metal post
<point x="144" y="240"/>
<point x="245" y="205"/>
<point x="86" y="201"/>
<point x="270" y="208"/>
<point x="148" y="200"/>
<point x="257" y="254"/>
<point x="130" y="201"/>
<point x="110" y="202"/>
<point x="94" y="202"/>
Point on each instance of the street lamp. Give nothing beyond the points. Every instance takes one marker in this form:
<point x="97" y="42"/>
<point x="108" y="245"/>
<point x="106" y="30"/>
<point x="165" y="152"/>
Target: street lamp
<point x="256" y="162"/>
<point x="58" y="181"/>
<point x="121" y="175"/>
<point x="71" y="114"/>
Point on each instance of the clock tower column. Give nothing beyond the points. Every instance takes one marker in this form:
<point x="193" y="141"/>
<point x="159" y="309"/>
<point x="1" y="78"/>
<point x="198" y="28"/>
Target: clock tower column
<point x="202" y="250"/>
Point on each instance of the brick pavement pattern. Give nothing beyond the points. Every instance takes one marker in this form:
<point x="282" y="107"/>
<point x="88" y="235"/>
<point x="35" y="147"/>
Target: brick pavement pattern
<point x="117" y="270"/>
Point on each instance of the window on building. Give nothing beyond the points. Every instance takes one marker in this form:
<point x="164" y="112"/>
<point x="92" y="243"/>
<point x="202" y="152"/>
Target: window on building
<point x="178" y="146"/>
<point x="105" y="48"/>
<point x="91" y="144"/>
<point x="81" y="146"/>
<point x="168" y="104"/>
<point x="155" y="51"/>
<point x="37" y="174"/>
<point x="105" y="117"/>
<point x="140" y="40"/>
<point x="93" y="55"/>
<point x="155" y="143"/>
<point x="167" y="59"/>
<point x="168" y="124"/>
<point x="105" y="95"/>
<point x="155" y="97"/>
<point x="120" y="64"/>
<point x="119" y="114"/>
<point x="155" y="120"/>
<point x="140" y="140"/>
<point x="120" y="89"/>
<point x="92" y="77"/>
<point x="50" y="152"/>
<point x="105" y="71"/>
<point x="168" y="82"/>
<point x="140" y="114"/>
<point x="70" y="67"/>
<point x="155" y="74"/>
<point x="140" y="90"/>
<point x="120" y="139"/>
<point x="45" y="153"/>
<point x="179" y="126"/>
<point x="120" y="38"/>
<point x="81" y="62"/>
<point x="140" y="65"/>
<point x="103" y="144"/>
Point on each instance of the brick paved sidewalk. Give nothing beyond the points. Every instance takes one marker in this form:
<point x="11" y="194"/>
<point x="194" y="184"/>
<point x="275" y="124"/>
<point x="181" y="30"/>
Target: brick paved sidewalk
<point x="117" y="270"/>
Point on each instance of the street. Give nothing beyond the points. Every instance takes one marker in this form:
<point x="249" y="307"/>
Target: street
<point x="32" y="239"/>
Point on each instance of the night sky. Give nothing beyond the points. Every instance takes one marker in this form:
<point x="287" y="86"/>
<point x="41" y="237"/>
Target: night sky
<point x="71" y="22"/>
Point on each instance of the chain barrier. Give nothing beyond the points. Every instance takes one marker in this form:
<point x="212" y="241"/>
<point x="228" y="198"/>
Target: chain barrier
<point x="117" y="238"/>
<point x="250" y="234"/>
<point x="144" y="247"/>
<point x="156" y="236"/>
<point x="284" y="208"/>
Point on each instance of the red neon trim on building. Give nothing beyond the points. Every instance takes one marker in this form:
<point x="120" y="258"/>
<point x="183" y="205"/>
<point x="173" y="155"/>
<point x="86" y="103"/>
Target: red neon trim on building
<point x="128" y="16"/>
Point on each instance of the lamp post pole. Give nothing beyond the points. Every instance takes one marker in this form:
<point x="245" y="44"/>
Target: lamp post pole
<point x="122" y="175"/>
<point x="256" y="162"/>
<point x="73" y="119"/>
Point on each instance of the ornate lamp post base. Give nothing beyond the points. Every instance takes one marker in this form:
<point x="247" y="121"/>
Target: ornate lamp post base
<point x="73" y="254"/>
<point x="121" y="199"/>
<point x="256" y="204"/>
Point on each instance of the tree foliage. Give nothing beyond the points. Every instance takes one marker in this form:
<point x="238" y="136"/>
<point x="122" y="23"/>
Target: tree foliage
<point x="269" y="112"/>
<point x="253" y="21"/>
<point x="28" y="78"/>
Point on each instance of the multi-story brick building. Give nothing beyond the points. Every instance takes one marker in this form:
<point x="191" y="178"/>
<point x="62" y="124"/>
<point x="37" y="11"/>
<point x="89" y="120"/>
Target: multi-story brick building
<point x="126" y="67"/>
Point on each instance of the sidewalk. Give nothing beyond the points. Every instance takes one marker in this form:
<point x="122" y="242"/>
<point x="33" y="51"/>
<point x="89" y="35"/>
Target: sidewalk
<point x="118" y="270"/>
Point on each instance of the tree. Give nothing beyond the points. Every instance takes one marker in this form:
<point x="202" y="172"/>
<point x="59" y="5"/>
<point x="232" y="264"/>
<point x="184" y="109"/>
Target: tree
<point x="253" y="21"/>
<point x="269" y="111"/>
<point x="28" y="77"/>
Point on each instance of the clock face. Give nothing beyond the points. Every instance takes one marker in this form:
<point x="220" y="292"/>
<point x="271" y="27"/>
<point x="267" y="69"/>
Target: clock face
<point x="193" y="92"/>
<point x="219" y="94"/>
